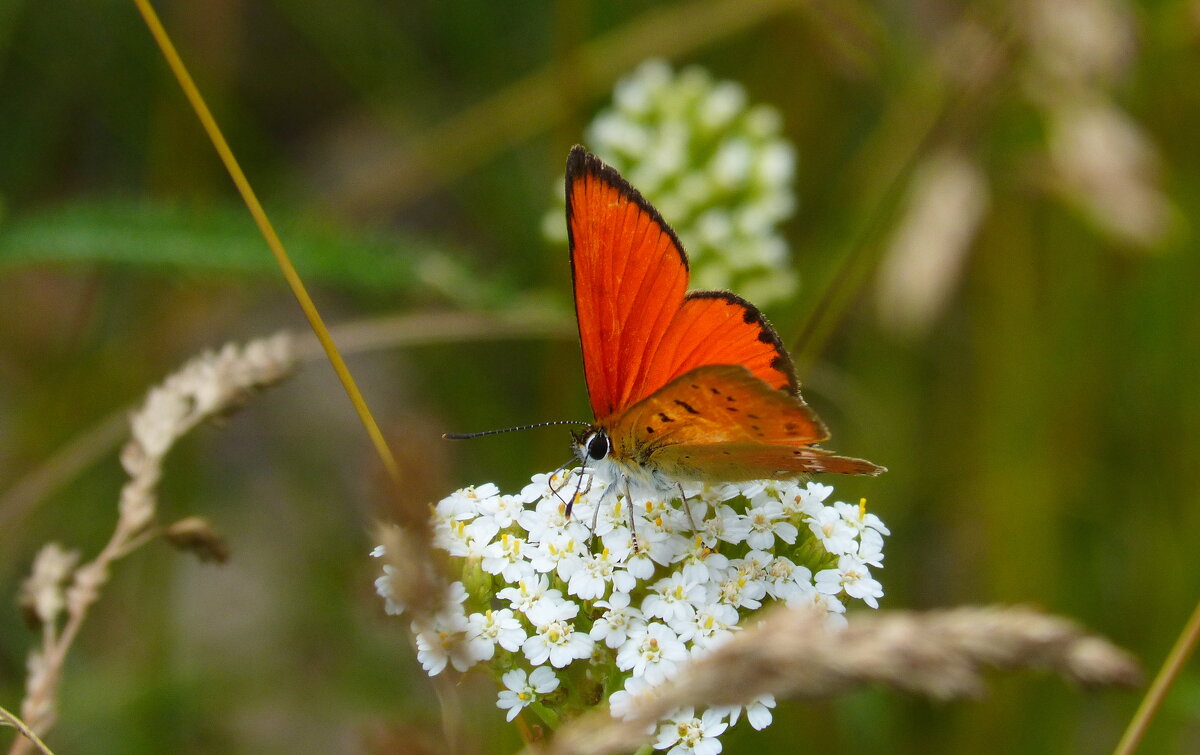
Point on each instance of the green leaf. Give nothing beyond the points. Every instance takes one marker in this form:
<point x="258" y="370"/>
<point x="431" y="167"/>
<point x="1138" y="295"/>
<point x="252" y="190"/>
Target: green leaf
<point x="220" y="239"/>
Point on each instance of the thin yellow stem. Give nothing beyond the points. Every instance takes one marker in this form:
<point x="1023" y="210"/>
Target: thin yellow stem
<point x="10" y="719"/>
<point x="268" y="233"/>
<point x="1176" y="660"/>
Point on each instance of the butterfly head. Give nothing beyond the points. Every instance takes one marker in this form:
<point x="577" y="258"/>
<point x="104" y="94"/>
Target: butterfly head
<point x="592" y="445"/>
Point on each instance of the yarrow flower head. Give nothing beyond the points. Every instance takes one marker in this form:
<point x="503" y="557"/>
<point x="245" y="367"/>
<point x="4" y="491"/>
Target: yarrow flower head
<point x="716" y="168"/>
<point x="547" y="607"/>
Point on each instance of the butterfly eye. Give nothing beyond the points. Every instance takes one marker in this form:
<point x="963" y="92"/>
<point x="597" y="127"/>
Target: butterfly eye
<point x="597" y="445"/>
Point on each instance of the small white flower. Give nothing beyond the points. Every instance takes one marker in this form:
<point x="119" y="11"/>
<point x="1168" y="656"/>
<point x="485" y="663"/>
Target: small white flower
<point x="758" y="712"/>
<point x="520" y="691"/>
<point x="555" y="638"/>
<point x="658" y="528"/>
<point x="741" y="587"/>
<point x="870" y="548"/>
<point x="619" y="541"/>
<point x="466" y="503"/>
<point x="500" y="627"/>
<point x="685" y="734"/>
<point x="673" y="598"/>
<point x="528" y="593"/>
<point x="597" y="571"/>
<point x="858" y="517"/>
<point x="549" y="519"/>
<point x="466" y="538"/>
<point x="505" y="557"/>
<point x="652" y="652"/>
<point x="768" y="521"/>
<point x="785" y="579"/>
<point x="701" y="563"/>
<point x="444" y="637"/>
<point x="503" y="509"/>
<point x="812" y="497"/>
<point x="712" y="623"/>
<point x="561" y="553"/>
<point x="618" y="618"/>
<point x="628" y="702"/>
<point x="726" y="525"/>
<point x="545" y="486"/>
<point x="833" y="532"/>
<point x="852" y="576"/>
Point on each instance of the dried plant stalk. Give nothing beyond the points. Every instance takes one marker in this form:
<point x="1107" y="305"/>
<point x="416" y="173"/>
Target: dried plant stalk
<point x="795" y="653"/>
<point x="209" y="385"/>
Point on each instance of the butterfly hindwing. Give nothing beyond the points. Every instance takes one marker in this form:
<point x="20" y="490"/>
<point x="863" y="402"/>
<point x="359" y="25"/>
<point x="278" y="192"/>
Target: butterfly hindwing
<point x="717" y="327"/>
<point x="738" y="462"/>
<point x="637" y="328"/>
<point x="722" y="423"/>
<point x="714" y="404"/>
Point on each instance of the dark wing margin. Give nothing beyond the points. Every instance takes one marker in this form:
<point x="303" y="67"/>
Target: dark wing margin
<point x="717" y="327"/>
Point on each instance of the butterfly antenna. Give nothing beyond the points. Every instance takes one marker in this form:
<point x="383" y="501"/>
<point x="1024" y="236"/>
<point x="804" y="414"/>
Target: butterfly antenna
<point x="468" y="436"/>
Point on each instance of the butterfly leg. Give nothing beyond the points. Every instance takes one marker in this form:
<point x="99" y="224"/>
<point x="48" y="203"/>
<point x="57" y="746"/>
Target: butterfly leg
<point x="595" y="520"/>
<point x="686" y="508"/>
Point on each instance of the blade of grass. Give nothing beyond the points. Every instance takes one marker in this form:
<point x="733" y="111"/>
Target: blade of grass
<point x="268" y="231"/>
<point x="1176" y="660"/>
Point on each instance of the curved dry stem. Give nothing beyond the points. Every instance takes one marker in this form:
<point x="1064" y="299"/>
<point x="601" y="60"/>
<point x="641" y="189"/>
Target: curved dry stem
<point x="795" y="653"/>
<point x="207" y="386"/>
<point x="439" y="327"/>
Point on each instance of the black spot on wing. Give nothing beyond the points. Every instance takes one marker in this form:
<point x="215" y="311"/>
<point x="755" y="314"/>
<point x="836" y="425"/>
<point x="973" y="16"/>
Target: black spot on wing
<point x="686" y="406"/>
<point x="662" y="417"/>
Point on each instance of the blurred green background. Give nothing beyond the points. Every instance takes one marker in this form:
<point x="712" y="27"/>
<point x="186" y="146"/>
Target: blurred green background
<point x="1030" y="373"/>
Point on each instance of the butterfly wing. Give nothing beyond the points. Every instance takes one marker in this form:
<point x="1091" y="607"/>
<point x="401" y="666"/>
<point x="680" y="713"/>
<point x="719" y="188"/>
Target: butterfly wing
<point x="739" y="462"/>
<point x="723" y="423"/>
<point x="638" y="328"/>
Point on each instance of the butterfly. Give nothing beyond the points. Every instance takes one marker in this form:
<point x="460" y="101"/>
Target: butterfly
<point x="683" y="386"/>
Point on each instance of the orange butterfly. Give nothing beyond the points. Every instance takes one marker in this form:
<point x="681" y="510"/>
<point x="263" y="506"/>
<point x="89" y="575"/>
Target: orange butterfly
<point x="684" y="386"/>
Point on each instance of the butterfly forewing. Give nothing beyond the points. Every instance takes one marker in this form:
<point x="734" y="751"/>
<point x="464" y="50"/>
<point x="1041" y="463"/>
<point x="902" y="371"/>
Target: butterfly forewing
<point x="630" y="276"/>
<point x="637" y="329"/>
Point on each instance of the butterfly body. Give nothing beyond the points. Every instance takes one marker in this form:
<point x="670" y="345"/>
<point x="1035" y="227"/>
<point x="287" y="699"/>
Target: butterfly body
<point x="684" y="386"/>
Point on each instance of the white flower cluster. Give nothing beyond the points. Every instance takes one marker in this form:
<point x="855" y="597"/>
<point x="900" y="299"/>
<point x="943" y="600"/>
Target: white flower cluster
<point x="717" y="170"/>
<point x="567" y="616"/>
